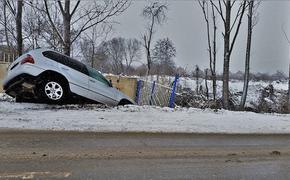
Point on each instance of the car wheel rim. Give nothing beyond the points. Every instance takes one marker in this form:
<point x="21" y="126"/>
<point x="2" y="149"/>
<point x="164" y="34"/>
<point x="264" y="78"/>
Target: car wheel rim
<point x="53" y="91"/>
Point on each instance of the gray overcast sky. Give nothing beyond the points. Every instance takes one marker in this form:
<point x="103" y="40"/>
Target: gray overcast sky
<point x="186" y="27"/>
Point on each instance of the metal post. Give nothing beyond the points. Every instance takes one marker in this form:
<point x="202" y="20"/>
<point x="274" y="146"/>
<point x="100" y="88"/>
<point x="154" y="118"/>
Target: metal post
<point x="172" y="96"/>
<point x="138" y="92"/>
<point x="152" y="92"/>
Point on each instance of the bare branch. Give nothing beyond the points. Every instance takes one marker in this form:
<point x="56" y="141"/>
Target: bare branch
<point x="51" y="22"/>
<point x="285" y="34"/>
<point x="116" y="9"/>
<point x="238" y="26"/>
<point x="238" y="14"/>
<point x="61" y="8"/>
<point x="11" y="7"/>
<point x="256" y="13"/>
<point x="218" y="9"/>
<point x="75" y="8"/>
<point x="233" y="3"/>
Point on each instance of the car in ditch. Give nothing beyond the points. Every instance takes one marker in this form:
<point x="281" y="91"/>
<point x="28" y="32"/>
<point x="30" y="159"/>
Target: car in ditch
<point x="48" y="76"/>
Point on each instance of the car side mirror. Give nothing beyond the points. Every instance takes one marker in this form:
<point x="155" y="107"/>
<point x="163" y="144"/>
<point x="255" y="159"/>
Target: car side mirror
<point x="111" y="85"/>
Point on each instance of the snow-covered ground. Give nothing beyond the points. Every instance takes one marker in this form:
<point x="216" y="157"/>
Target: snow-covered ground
<point x="137" y="119"/>
<point x="255" y="88"/>
<point x="146" y="118"/>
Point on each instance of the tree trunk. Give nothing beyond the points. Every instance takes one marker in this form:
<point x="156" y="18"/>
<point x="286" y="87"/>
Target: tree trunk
<point x="148" y="61"/>
<point x="226" y="67"/>
<point x="93" y="54"/>
<point x="289" y="91"/>
<point x="206" y="85"/>
<point x="248" y="56"/>
<point x="5" y="24"/>
<point x="197" y="79"/>
<point x="213" y="70"/>
<point x="19" y="38"/>
<point x="66" y="26"/>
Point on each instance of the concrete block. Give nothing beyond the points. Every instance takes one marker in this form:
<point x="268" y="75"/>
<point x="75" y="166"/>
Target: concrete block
<point x="3" y="71"/>
<point x="127" y="85"/>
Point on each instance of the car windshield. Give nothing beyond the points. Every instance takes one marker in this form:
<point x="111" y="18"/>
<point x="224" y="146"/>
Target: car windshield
<point x="98" y="76"/>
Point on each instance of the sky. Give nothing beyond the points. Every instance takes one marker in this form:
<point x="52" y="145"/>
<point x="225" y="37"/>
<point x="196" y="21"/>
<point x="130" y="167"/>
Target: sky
<point x="185" y="26"/>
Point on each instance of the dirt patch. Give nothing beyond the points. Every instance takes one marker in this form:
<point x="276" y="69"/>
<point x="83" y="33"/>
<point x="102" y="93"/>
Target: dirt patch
<point x="275" y="153"/>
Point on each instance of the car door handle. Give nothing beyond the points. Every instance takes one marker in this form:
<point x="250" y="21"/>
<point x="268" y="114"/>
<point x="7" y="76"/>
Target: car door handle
<point x="92" y="81"/>
<point x="64" y="68"/>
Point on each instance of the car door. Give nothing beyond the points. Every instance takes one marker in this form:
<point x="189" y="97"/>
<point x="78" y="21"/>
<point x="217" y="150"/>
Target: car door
<point x="75" y="72"/>
<point x="103" y="91"/>
<point x="79" y="81"/>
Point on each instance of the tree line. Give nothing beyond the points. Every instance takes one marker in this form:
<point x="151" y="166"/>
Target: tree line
<point x="55" y="24"/>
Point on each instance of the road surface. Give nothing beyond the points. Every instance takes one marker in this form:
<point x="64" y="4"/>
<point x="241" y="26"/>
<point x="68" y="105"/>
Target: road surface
<point x="85" y="155"/>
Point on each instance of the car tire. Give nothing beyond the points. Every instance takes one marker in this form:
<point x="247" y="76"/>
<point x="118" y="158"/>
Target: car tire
<point x="21" y="99"/>
<point x="124" y="102"/>
<point x="53" y="91"/>
<point x="18" y="99"/>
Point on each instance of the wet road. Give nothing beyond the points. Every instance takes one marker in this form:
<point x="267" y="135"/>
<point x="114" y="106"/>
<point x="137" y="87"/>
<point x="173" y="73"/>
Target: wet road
<point x="73" y="155"/>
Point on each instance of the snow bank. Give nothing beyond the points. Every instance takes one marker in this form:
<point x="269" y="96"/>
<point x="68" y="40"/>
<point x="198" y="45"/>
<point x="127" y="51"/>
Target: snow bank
<point x="5" y="97"/>
<point x="137" y="119"/>
<point x="259" y="97"/>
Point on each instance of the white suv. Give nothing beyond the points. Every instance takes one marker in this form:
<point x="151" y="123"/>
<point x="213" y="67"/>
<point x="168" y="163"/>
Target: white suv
<point x="43" y="74"/>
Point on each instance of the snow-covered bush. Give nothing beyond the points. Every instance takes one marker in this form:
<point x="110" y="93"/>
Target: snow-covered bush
<point x="272" y="100"/>
<point x="262" y="96"/>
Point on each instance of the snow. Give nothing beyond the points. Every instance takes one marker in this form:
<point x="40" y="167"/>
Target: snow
<point x="147" y="118"/>
<point x="236" y="87"/>
<point x="137" y="119"/>
<point x="5" y="97"/>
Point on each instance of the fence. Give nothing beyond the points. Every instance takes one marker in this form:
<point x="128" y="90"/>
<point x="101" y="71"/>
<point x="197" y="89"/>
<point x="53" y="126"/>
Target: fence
<point x="153" y="93"/>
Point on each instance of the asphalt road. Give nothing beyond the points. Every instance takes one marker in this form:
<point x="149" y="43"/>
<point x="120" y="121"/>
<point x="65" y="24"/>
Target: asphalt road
<point x="77" y="155"/>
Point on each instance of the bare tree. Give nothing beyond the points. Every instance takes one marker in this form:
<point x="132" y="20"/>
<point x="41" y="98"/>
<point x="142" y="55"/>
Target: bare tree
<point x="119" y="53"/>
<point x="288" y="101"/>
<point x="114" y="49"/>
<point x="90" y="43"/>
<point x="45" y="34"/>
<point x="230" y="27"/>
<point x="15" y="10"/>
<point x="156" y="15"/>
<point x="211" y="41"/>
<point x="164" y="53"/>
<point x="252" y="21"/>
<point x="35" y="26"/>
<point x="132" y="52"/>
<point x="23" y="27"/>
<point x="5" y="23"/>
<point x="19" y="27"/>
<point x="82" y="16"/>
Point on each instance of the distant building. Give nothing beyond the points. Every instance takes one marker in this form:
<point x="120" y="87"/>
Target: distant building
<point x="7" y="56"/>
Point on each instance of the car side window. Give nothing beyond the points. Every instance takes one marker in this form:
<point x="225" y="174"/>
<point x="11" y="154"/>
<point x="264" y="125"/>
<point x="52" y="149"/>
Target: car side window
<point x="98" y="76"/>
<point x="66" y="60"/>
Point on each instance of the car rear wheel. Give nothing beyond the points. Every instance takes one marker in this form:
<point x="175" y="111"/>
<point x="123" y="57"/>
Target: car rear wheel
<point x="53" y="91"/>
